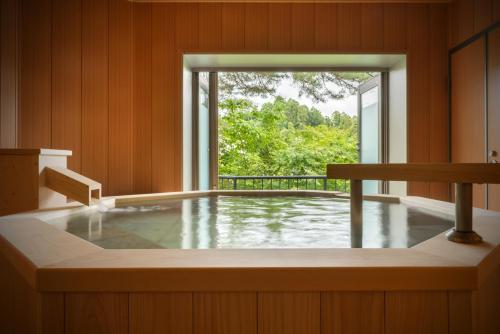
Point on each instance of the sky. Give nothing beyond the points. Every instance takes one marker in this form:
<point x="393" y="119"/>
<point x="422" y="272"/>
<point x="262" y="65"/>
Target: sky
<point x="348" y="105"/>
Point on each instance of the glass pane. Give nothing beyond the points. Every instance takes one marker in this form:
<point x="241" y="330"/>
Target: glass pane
<point x="370" y="127"/>
<point x="203" y="134"/>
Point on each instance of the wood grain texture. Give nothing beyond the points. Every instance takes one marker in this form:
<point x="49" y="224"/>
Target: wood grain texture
<point x="325" y="26"/>
<point x="303" y="18"/>
<point x="372" y="26"/>
<point x="418" y="61"/>
<point x="290" y="313"/>
<point x="483" y="14"/>
<point x="467" y="109"/>
<point x="121" y="125"/>
<point x="95" y="84"/>
<point x="9" y="59"/>
<point x="487" y="303"/>
<point x="35" y="74"/>
<point x="233" y="26"/>
<point x="279" y="35"/>
<point x="142" y="105"/>
<point x="494" y="110"/>
<point x="416" y="312"/>
<point x="159" y="313"/>
<point x="256" y="26"/>
<point x="67" y="79"/>
<point x="461" y="308"/>
<point x="131" y="73"/>
<point x="349" y="27"/>
<point x="97" y="313"/>
<point x="51" y="313"/>
<point x="462" y="21"/>
<point x="352" y="313"/>
<point x="225" y="313"/>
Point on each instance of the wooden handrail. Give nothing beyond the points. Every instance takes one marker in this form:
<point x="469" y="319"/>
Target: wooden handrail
<point x="435" y="172"/>
<point x="463" y="175"/>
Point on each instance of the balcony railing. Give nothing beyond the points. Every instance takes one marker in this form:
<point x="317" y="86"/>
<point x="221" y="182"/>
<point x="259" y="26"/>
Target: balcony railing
<point x="291" y="182"/>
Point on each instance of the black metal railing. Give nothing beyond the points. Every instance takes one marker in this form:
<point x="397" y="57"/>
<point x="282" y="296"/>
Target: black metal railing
<point x="291" y="182"/>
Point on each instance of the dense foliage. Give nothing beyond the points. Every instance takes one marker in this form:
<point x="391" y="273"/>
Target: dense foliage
<point x="282" y="138"/>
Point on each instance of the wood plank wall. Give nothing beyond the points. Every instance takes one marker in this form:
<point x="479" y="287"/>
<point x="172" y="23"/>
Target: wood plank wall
<point x="103" y="77"/>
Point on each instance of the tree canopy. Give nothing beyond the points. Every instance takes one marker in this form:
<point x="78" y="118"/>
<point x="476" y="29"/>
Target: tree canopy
<point x="282" y="137"/>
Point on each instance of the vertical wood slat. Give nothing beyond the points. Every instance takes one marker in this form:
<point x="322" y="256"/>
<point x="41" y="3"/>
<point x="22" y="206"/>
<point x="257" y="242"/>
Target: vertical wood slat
<point x="67" y="79"/>
<point x="95" y="90"/>
<point x="352" y="313"/>
<point x="51" y="317"/>
<point x="372" y="26"/>
<point x="467" y="110"/>
<point x="418" y="84"/>
<point x="225" y="313"/>
<point x="325" y="30"/>
<point x="279" y="36"/>
<point x="34" y="108"/>
<point x="303" y="27"/>
<point x="96" y="313"/>
<point x="159" y="313"/>
<point x="349" y="27"/>
<point x="256" y="26"/>
<point x="461" y="312"/>
<point x="395" y="27"/>
<point x="462" y="21"/>
<point x="210" y="26"/>
<point x="483" y="14"/>
<point x="142" y="98"/>
<point x="416" y="312"/>
<point x="289" y="313"/>
<point x="120" y="168"/>
<point x="233" y="26"/>
<point x="9" y="52"/>
<point x="166" y="124"/>
<point x="494" y="110"/>
<point x="438" y="95"/>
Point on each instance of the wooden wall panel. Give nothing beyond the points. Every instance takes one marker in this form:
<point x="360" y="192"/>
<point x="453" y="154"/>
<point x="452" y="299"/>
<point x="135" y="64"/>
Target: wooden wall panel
<point x="280" y="26"/>
<point x="483" y="15"/>
<point x="352" y="313"/>
<point x="349" y="26"/>
<point x="303" y="18"/>
<point x="494" y="111"/>
<point x="233" y="26"/>
<point x="121" y="126"/>
<point x="256" y="26"/>
<point x="289" y="313"/>
<point x="160" y="313"/>
<point x="325" y="26"/>
<point x="9" y="14"/>
<point x="95" y="86"/>
<point x="67" y="79"/>
<point x="51" y="308"/>
<point x="209" y="25"/>
<point x="166" y="122"/>
<point x="438" y="95"/>
<point x="461" y="308"/>
<point x="35" y="74"/>
<point x="225" y="313"/>
<point x="395" y="27"/>
<point x="462" y="21"/>
<point x="468" y="109"/>
<point x="131" y="133"/>
<point x="96" y="313"/>
<point x="372" y="26"/>
<point x="142" y="98"/>
<point x="401" y="308"/>
<point x="418" y="62"/>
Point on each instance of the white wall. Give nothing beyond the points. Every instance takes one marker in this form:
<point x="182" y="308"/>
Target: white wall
<point x="186" y="130"/>
<point x="397" y="122"/>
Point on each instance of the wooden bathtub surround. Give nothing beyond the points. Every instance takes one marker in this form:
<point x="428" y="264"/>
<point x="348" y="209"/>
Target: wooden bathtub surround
<point x="463" y="175"/>
<point x="72" y="184"/>
<point x="38" y="178"/>
<point x="55" y="282"/>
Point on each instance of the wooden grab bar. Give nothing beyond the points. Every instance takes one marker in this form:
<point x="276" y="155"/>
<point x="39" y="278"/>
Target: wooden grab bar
<point x="72" y="184"/>
<point x="463" y="175"/>
<point x="443" y="172"/>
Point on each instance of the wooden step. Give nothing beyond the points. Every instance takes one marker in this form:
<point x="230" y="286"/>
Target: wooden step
<point x="72" y="184"/>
